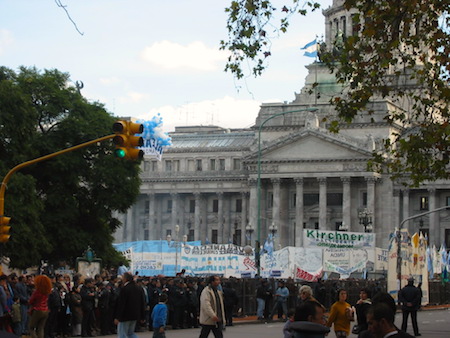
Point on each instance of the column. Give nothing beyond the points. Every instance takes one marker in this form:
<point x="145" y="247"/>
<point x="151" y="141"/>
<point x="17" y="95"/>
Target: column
<point x="204" y="217"/>
<point x="299" y="212"/>
<point x="197" y="235"/>
<point x="347" y="203"/>
<point x="323" y="203"/>
<point x="220" y="220"/>
<point x="435" y="232"/>
<point x="253" y="204"/>
<point x="174" y="216"/>
<point x="130" y="227"/>
<point x="227" y="233"/>
<point x="244" y="215"/>
<point x="276" y="182"/>
<point x="371" y="199"/>
<point x="396" y="208"/>
<point x="152" y="230"/>
<point x="158" y="211"/>
<point x="405" y="206"/>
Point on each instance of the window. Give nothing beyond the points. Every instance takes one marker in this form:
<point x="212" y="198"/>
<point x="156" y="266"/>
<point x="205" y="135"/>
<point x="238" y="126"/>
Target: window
<point x="214" y="236"/>
<point x="215" y="206"/>
<point x="237" y="237"/>
<point x="221" y="164"/>
<point x="270" y="201"/>
<point x="147" y="207"/>
<point x="423" y="203"/>
<point x="344" y="25"/>
<point x="447" y="200"/>
<point x="146" y="165"/>
<point x="168" y="165"/>
<point x="154" y="166"/>
<point x="236" y="164"/>
<point x="146" y="235"/>
<point x="169" y="205"/>
<point x="191" y="235"/>
<point x="310" y="199"/>
<point x="176" y="165"/>
<point x="316" y="225"/>
<point x="212" y="164"/>
<point x="364" y="199"/>
<point x="294" y="200"/>
<point x="198" y="166"/>
<point x="238" y="205"/>
<point x="334" y="199"/>
<point x="191" y="206"/>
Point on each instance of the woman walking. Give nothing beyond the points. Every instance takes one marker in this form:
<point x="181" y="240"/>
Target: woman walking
<point x="341" y="315"/>
<point x="38" y="306"/>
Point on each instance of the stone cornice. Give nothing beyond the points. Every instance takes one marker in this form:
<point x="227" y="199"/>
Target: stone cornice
<point x="205" y="150"/>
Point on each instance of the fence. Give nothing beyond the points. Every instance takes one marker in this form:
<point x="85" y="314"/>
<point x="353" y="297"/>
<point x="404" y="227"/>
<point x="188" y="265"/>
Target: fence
<point x="246" y="290"/>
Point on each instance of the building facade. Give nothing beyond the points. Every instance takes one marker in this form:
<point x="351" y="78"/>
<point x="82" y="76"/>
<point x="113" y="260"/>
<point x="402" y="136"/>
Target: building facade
<point x="207" y="181"/>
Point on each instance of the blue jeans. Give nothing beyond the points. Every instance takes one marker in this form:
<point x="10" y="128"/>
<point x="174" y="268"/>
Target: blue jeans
<point x="279" y="304"/>
<point x="126" y="329"/>
<point x="261" y="306"/>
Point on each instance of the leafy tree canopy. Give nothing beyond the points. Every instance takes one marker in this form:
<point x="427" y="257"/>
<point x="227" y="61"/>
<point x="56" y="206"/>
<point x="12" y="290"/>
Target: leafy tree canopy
<point x="61" y="206"/>
<point x="400" y="52"/>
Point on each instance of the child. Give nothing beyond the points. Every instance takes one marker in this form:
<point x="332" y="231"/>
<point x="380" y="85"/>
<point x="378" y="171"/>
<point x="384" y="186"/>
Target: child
<point x="16" y="316"/>
<point x="159" y="317"/>
<point x="286" y="332"/>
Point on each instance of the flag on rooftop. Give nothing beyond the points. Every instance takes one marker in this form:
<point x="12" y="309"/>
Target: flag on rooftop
<point x="310" y="49"/>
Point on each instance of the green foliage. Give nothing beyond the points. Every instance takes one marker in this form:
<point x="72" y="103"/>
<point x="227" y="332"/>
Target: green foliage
<point x="400" y="53"/>
<point x="61" y="206"/>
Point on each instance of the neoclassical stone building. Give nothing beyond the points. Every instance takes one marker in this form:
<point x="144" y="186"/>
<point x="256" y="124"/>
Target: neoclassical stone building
<point x="310" y="178"/>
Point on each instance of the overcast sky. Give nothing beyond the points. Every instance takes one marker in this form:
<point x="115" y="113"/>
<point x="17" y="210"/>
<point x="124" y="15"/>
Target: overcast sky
<point x="144" y="57"/>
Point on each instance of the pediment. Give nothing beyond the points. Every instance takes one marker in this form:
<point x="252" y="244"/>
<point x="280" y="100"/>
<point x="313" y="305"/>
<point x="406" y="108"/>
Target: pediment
<point x="313" y="145"/>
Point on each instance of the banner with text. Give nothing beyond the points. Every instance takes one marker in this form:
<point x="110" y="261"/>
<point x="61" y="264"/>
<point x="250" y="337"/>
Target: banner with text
<point x="338" y="239"/>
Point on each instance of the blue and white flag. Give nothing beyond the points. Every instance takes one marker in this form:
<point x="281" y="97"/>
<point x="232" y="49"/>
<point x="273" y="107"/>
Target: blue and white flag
<point x="268" y="245"/>
<point x="310" y="49"/>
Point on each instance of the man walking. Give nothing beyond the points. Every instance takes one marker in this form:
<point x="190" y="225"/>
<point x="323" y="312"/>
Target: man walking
<point x="409" y="297"/>
<point x="281" y="296"/>
<point x="212" y="310"/>
<point x="130" y="307"/>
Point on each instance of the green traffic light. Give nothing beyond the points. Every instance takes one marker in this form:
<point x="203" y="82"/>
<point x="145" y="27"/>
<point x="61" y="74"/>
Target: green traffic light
<point x="120" y="153"/>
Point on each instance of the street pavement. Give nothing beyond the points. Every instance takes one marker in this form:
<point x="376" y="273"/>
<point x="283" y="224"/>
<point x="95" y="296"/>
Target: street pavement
<point x="432" y="324"/>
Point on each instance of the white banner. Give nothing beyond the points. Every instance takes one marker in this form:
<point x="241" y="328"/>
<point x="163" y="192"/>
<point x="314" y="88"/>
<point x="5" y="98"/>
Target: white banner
<point x="338" y="239"/>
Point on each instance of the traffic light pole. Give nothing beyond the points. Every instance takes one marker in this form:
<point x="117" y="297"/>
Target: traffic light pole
<point x="40" y="159"/>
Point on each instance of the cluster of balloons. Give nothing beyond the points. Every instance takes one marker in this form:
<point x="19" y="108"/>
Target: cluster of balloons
<point x="153" y="130"/>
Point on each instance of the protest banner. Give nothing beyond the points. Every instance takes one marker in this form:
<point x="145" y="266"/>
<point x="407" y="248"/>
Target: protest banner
<point x="338" y="239"/>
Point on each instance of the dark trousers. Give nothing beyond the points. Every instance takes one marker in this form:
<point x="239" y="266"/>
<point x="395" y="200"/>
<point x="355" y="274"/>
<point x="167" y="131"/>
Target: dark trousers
<point x="216" y="329"/>
<point x="229" y="314"/>
<point x="413" y="319"/>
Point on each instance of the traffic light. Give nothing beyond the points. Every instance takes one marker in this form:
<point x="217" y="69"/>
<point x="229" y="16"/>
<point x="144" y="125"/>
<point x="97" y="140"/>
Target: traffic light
<point x="125" y="140"/>
<point x="4" y="229"/>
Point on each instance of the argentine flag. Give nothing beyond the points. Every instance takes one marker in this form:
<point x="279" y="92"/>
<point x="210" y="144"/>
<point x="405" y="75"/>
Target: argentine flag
<point x="310" y="49"/>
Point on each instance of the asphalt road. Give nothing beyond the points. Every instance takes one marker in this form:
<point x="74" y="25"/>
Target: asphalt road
<point x="432" y="324"/>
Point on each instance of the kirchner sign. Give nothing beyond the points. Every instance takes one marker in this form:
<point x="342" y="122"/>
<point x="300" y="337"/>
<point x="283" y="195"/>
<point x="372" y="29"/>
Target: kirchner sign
<point x="338" y="239"/>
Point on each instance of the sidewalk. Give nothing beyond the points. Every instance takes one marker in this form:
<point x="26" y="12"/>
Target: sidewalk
<point x="254" y="319"/>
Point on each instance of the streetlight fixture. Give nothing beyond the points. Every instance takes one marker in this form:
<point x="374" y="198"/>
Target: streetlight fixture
<point x="273" y="229"/>
<point x="365" y="219"/>
<point x="343" y="227"/>
<point x="249" y="229"/>
<point x="175" y="244"/>
<point x="258" y="183"/>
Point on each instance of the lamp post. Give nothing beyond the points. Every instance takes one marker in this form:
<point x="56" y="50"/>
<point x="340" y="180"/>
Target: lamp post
<point x="273" y="229"/>
<point x="258" y="183"/>
<point x="365" y="219"/>
<point x="399" y="240"/>
<point x="249" y="229"/>
<point x="175" y="244"/>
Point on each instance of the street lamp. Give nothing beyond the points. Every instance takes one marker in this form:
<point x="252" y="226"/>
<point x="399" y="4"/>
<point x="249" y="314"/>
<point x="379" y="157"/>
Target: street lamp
<point x="343" y="227"/>
<point x="273" y="229"/>
<point x="249" y="229"/>
<point x="365" y="219"/>
<point x="175" y="244"/>
<point x="258" y="183"/>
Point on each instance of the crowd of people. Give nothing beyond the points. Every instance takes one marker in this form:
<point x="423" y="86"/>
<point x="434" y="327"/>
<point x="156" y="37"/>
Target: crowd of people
<point x="65" y="305"/>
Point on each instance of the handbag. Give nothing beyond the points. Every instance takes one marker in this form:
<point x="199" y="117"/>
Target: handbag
<point x="356" y="329"/>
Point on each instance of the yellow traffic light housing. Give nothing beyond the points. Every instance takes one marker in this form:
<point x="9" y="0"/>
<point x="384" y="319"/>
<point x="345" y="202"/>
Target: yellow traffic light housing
<point x="4" y="229"/>
<point x="126" y="142"/>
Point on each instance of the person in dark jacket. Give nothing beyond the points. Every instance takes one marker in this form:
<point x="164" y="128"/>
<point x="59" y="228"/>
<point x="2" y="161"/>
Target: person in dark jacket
<point x="22" y="294"/>
<point x="362" y="306"/>
<point x="309" y="321"/>
<point x="380" y="319"/>
<point x="87" y="294"/>
<point x="230" y="300"/>
<point x="409" y="297"/>
<point x="130" y="307"/>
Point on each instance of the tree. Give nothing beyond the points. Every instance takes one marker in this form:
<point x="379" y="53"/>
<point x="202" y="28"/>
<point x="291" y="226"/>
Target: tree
<point x="400" y="53"/>
<point x="61" y="206"/>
